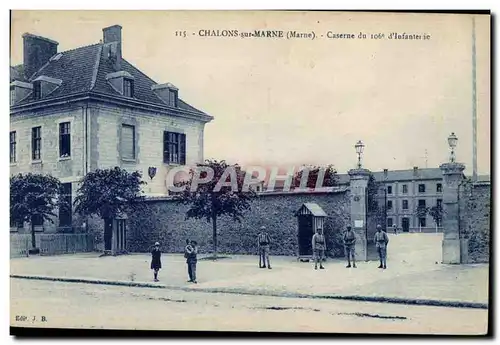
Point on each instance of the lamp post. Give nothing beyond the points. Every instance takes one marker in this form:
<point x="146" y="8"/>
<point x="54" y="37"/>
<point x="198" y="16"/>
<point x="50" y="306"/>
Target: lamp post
<point x="359" y="150"/>
<point x="452" y="142"/>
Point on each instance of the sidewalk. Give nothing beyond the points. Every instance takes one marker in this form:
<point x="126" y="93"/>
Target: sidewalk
<point x="410" y="278"/>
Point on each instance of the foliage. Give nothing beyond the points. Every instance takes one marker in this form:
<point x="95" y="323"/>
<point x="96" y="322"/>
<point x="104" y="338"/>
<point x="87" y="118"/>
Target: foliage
<point x="205" y="202"/>
<point x="109" y="192"/>
<point x="330" y="177"/>
<point x="436" y="212"/>
<point x="34" y="195"/>
<point x="421" y="211"/>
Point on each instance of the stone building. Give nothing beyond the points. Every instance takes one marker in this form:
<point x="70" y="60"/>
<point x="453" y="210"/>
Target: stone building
<point x="403" y="191"/>
<point x="86" y="108"/>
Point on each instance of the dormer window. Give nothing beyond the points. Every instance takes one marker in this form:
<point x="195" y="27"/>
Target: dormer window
<point x="122" y="82"/>
<point x="172" y="98"/>
<point x="19" y="91"/>
<point x="12" y="95"/>
<point x="44" y="86"/>
<point x="37" y="90"/>
<point x="168" y="93"/>
<point x="128" y="87"/>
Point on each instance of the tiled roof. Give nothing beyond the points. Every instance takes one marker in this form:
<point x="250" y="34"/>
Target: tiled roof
<point x="84" y="69"/>
<point x="400" y="175"/>
<point x="409" y="174"/>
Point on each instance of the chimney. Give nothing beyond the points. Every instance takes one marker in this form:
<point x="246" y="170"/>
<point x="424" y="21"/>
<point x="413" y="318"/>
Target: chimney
<point x="385" y="173"/>
<point x="37" y="51"/>
<point x="112" y="40"/>
<point x="415" y="171"/>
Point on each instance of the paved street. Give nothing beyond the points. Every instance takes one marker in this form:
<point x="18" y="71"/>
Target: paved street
<point x="98" y="306"/>
<point x="414" y="272"/>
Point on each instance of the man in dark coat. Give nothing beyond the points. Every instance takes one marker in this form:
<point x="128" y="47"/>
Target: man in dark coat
<point x="263" y="242"/>
<point x="156" y="260"/>
<point x="192" y="260"/>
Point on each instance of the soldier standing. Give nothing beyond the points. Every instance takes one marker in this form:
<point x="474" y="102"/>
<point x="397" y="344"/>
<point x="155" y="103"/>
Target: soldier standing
<point x="381" y="240"/>
<point x="349" y="245"/>
<point x="192" y="260"/>
<point x="156" y="260"/>
<point x="318" y="247"/>
<point x="395" y="228"/>
<point x="264" y="241"/>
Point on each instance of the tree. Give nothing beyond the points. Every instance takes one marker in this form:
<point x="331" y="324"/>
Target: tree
<point x="436" y="212"/>
<point x="108" y="193"/>
<point x="207" y="201"/>
<point x="35" y="197"/>
<point x="330" y="176"/>
<point x="421" y="212"/>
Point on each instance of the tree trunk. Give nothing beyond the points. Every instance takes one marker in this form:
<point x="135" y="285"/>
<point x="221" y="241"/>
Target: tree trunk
<point x="214" y="226"/>
<point x="33" y="239"/>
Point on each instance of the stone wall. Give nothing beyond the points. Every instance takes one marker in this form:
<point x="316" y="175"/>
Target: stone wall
<point x="475" y="213"/>
<point x="164" y="221"/>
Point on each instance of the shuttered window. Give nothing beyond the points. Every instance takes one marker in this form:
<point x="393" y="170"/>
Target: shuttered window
<point x="64" y="139"/>
<point x="128" y="142"/>
<point x="36" y="143"/>
<point x="174" y="148"/>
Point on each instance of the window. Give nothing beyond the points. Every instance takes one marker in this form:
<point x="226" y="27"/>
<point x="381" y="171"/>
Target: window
<point x="64" y="139"/>
<point x="389" y="204"/>
<point x="128" y="87"/>
<point x="128" y="142"/>
<point x="389" y="189"/>
<point x="439" y="188"/>
<point x="405" y="189"/>
<point x="12" y="96"/>
<point x="37" y="90"/>
<point x="421" y="221"/>
<point x="421" y="203"/>
<point x="174" y="148"/>
<point x="405" y="204"/>
<point x="421" y="188"/>
<point x="439" y="202"/>
<point x="65" y="212"/>
<point x="173" y="98"/>
<point x="389" y="222"/>
<point x="36" y="143"/>
<point x="13" y="147"/>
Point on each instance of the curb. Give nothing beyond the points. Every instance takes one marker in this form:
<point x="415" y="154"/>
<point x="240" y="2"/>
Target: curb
<point x="377" y="299"/>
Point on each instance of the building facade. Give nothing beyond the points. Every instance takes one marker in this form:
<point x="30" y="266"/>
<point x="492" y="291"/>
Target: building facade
<point x="403" y="191"/>
<point x="88" y="108"/>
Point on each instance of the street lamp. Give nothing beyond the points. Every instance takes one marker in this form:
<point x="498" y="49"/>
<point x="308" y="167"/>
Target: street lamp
<point x="359" y="150"/>
<point x="452" y="142"/>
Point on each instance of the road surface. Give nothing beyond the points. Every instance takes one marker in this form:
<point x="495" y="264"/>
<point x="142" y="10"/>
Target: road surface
<point x="69" y="305"/>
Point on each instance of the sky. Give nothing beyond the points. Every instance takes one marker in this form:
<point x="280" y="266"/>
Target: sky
<point x="279" y="102"/>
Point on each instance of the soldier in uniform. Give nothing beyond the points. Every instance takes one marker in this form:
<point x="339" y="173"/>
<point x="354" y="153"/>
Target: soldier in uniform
<point x="318" y="247"/>
<point x="381" y="240"/>
<point x="264" y="241"/>
<point x="395" y="228"/>
<point x="349" y="245"/>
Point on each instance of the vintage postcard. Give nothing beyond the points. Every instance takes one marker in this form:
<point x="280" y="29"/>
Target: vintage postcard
<point x="255" y="171"/>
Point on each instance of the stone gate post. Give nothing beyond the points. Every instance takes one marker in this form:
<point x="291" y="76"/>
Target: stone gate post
<point x="454" y="247"/>
<point x="358" y="185"/>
